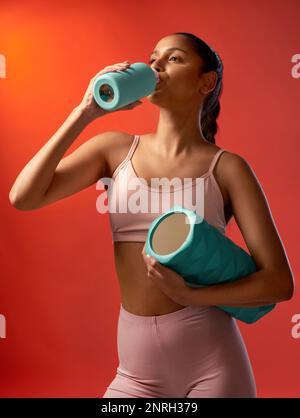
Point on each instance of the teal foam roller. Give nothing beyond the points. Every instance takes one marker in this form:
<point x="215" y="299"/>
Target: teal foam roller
<point x="184" y="241"/>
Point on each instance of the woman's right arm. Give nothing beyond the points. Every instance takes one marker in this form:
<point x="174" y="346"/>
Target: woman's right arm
<point x="29" y="189"/>
<point x="48" y="177"/>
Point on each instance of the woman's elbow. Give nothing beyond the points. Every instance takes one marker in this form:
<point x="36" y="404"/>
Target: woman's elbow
<point x="290" y="291"/>
<point x="18" y="203"/>
<point x="289" y="285"/>
<point x="279" y="285"/>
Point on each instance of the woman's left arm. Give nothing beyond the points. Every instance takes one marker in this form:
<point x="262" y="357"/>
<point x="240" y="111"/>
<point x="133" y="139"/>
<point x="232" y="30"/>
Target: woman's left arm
<point x="273" y="281"/>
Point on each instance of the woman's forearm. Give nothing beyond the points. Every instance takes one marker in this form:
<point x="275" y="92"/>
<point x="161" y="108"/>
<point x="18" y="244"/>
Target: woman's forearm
<point x="35" y="178"/>
<point x="260" y="288"/>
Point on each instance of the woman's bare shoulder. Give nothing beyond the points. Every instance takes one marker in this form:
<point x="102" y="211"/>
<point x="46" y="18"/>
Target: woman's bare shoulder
<point x="115" y="139"/>
<point x="228" y="166"/>
<point x="115" y="147"/>
<point x="233" y="164"/>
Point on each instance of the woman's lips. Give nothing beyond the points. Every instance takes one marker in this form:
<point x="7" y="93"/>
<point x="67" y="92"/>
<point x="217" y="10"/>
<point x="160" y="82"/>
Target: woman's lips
<point x="159" y="81"/>
<point x="158" y="78"/>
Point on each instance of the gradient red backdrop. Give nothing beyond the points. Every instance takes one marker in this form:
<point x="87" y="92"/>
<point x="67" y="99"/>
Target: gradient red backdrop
<point x="59" y="290"/>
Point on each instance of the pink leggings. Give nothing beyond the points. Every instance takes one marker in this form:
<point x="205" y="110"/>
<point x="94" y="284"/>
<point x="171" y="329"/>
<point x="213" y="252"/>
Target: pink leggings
<point x="195" y="352"/>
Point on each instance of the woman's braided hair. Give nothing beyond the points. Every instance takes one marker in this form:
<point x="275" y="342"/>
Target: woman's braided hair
<point x="211" y="106"/>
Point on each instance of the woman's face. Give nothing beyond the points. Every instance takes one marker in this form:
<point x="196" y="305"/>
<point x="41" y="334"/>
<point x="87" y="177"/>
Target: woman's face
<point x="179" y="71"/>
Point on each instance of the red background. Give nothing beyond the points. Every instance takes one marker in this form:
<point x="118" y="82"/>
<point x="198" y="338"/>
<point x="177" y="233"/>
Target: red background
<point x="59" y="289"/>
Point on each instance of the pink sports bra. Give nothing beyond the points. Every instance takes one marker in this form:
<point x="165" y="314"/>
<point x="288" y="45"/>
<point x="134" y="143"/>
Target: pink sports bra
<point x="129" y="226"/>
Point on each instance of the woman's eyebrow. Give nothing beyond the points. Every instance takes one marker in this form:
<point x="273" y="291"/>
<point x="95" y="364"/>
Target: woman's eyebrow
<point x="170" y="49"/>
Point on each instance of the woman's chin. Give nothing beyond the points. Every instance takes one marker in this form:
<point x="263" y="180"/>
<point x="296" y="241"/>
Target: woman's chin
<point x="155" y="94"/>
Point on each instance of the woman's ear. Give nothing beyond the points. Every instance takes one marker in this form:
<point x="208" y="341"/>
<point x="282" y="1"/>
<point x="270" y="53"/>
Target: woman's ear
<point x="208" y="82"/>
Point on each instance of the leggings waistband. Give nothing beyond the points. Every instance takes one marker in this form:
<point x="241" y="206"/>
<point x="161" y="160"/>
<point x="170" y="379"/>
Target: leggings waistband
<point x="150" y="319"/>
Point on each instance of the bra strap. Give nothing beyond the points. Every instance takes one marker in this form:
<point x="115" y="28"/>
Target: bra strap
<point x="215" y="159"/>
<point x="133" y="147"/>
<point x="128" y="156"/>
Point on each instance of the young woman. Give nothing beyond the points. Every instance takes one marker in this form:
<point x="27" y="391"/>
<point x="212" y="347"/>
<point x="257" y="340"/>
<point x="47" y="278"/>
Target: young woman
<point x="172" y="339"/>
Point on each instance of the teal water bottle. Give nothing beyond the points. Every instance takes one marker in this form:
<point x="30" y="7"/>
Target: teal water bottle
<point x="114" y="90"/>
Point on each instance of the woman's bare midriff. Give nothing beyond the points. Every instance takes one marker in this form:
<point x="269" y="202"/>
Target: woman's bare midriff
<point x="139" y="294"/>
